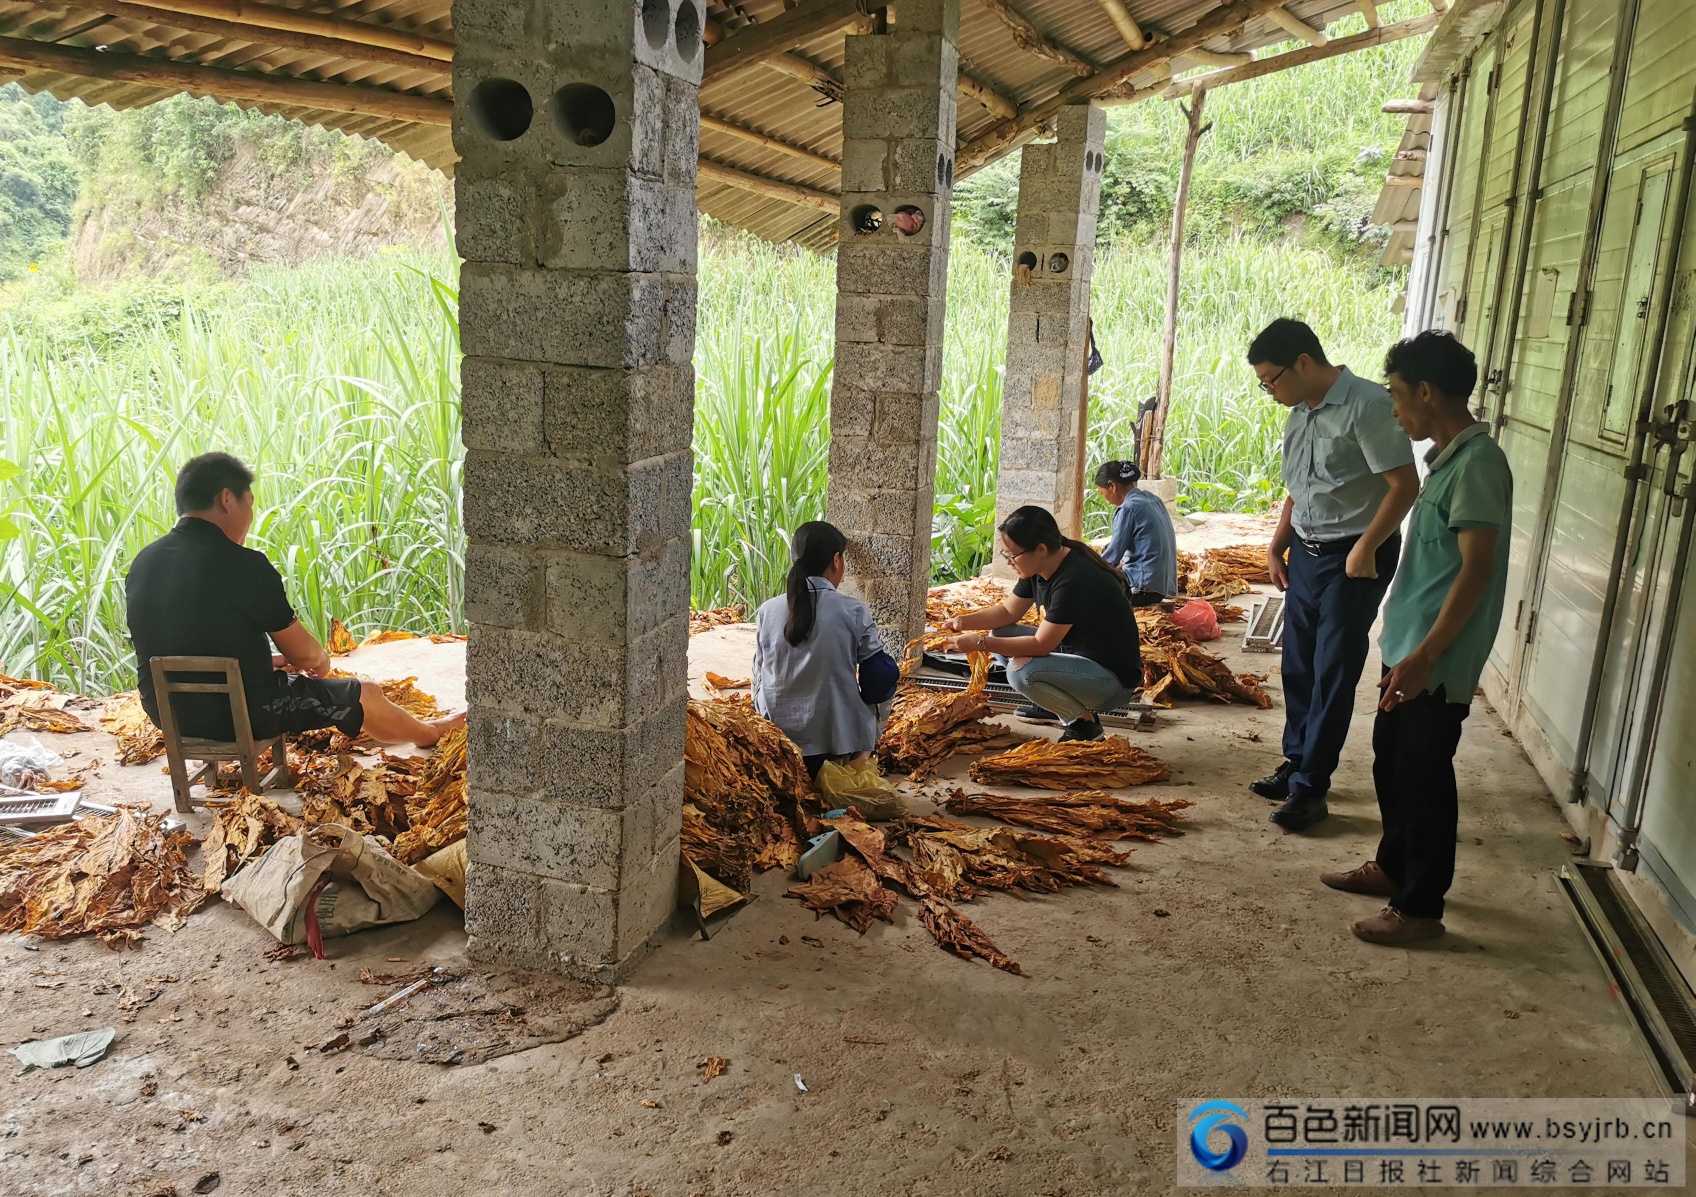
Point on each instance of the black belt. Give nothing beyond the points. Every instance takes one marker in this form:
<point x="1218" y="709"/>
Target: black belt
<point x="1322" y="548"/>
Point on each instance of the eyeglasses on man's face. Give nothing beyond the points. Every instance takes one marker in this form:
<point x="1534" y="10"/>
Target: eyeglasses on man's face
<point x="1272" y="382"/>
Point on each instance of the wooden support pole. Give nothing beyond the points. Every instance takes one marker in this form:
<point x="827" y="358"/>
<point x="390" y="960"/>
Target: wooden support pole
<point x="1154" y="440"/>
<point x="809" y="72"/>
<point x="1213" y="58"/>
<point x="768" y="39"/>
<point x="1262" y="67"/>
<point x="1008" y="135"/>
<point x="1125" y="23"/>
<point x="1369" y="10"/>
<point x="794" y="193"/>
<point x="977" y="90"/>
<point x="713" y="124"/>
<point x="1032" y="41"/>
<point x="1081" y="475"/>
<point x="1296" y="27"/>
<point x="272" y="16"/>
<point x="1439" y="6"/>
<point x="248" y="86"/>
<point x="345" y="44"/>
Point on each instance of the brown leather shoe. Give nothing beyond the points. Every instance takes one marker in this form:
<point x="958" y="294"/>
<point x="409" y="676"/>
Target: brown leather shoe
<point x="1391" y="926"/>
<point x="1368" y="879"/>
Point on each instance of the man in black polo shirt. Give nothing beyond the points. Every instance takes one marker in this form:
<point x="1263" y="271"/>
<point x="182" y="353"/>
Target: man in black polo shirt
<point x="197" y="592"/>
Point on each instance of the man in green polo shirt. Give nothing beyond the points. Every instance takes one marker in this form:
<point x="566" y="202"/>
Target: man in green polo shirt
<point x="1438" y="628"/>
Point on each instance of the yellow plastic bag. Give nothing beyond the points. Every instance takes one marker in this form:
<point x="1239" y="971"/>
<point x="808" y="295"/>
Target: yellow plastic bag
<point x="858" y="784"/>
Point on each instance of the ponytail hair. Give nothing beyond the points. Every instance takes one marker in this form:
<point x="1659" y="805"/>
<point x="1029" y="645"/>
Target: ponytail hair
<point x="811" y="551"/>
<point x="1125" y="473"/>
<point x="1031" y="527"/>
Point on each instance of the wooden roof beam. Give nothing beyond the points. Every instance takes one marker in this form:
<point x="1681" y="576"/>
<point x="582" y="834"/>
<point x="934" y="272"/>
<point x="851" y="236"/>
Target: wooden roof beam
<point x="713" y="124"/>
<point x="794" y="193"/>
<point x="1008" y="135"/>
<point x="1213" y="58"/>
<point x="769" y="39"/>
<point x="225" y="84"/>
<point x="1032" y="41"/>
<point x="1260" y="67"/>
<point x="272" y="16"/>
<point x="1126" y="24"/>
<point x="1293" y="25"/>
<point x="805" y="70"/>
<point x="340" y="45"/>
<point x="977" y="90"/>
<point x="1411" y="107"/>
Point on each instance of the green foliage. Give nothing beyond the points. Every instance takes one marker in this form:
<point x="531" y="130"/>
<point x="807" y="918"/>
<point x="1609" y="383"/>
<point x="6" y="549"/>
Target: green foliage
<point x="1305" y="141"/>
<point x="38" y="181"/>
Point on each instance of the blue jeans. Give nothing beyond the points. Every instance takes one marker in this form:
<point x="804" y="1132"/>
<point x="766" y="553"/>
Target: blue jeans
<point x="1071" y="686"/>
<point x="1327" y="635"/>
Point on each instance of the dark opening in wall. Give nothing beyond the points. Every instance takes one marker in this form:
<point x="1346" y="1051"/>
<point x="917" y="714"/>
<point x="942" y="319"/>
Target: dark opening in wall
<point x="656" y="22"/>
<point x="909" y="219"/>
<point x="584" y="113"/>
<point x="1057" y="263"/>
<point x="501" y="109"/>
<point x="867" y="218"/>
<point x="1027" y="260"/>
<point x="688" y="31"/>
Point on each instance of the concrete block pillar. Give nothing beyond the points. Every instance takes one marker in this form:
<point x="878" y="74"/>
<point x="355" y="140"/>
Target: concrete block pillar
<point x="1048" y="322"/>
<point x="891" y="287"/>
<point x="578" y="127"/>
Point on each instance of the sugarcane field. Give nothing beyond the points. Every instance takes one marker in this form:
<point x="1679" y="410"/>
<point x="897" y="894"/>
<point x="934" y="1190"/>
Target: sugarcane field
<point x="681" y="598"/>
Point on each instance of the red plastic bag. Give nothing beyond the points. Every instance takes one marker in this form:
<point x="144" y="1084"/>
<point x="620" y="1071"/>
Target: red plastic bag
<point x="1198" y="620"/>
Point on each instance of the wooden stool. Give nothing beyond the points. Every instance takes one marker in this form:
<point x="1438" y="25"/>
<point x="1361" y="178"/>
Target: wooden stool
<point x="179" y="749"/>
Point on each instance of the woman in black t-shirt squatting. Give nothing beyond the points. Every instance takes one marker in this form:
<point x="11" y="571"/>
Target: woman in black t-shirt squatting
<point x="1084" y="657"/>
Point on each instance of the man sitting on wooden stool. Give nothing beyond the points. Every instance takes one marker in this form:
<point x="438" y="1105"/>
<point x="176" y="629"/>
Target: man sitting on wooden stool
<point x="197" y="592"/>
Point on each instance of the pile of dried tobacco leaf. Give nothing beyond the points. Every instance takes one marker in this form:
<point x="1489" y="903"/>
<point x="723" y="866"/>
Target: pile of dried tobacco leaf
<point x="138" y="740"/>
<point x="36" y="706"/>
<point x="1079" y="813"/>
<point x="1106" y="764"/>
<point x="109" y="877"/>
<point x="748" y="802"/>
<point x="926" y="727"/>
<point x="701" y="621"/>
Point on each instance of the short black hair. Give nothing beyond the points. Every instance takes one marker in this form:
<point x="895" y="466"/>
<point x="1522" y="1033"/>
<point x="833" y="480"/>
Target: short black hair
<point x="203" y="478"/>
<point x="1283" y="341"/>
<point x="1435" y="357"/>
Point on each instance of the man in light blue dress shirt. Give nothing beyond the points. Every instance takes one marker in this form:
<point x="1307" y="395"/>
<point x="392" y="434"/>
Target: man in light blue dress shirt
<point x="1348" y="470"/>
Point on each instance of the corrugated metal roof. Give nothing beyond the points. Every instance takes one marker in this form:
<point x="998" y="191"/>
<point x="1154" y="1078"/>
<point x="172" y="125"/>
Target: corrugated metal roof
<point x="757" y="98"/>
<point x="1398" y="203"/>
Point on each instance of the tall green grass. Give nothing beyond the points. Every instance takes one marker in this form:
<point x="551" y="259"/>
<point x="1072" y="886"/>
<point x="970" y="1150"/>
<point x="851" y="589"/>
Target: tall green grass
<point x="338" y="383"/>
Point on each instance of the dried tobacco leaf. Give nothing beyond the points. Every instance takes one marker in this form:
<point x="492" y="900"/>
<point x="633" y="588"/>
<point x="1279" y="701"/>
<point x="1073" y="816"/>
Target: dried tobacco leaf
<point x="748" y="799"/>
<point x="942" y="603"/>
<point x="105" y="876"/>
<point x="30" y="716"/>
<point x="1082" y="813"/>
<point x="711" y="1066"/>
<point x="850" y="891"/>
<point x="1176" y="666"/>
<point x="728" y="683"/>
<point x="700" y="621"/>
<point x="242" y="828"/>
<point x="387" y="637"/>
<point x="1108" y="763"/>
<point x="340" y="641"/>
<point x="138" y="740"/>
<point x="436" y="809"/>
<point x="927" y="727"/>
<point x="958" y="934"/>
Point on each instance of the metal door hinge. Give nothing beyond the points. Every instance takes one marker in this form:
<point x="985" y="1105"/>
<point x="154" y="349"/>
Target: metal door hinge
<point x="1460" y="312"/>
<point x="1578" y="307"/>
<point x="1518" y="614"/>
<point x="1531" y="628"/>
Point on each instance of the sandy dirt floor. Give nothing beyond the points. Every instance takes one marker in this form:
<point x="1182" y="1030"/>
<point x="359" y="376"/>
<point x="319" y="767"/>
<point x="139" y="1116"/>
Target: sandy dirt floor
<point x="1219" y="967"/>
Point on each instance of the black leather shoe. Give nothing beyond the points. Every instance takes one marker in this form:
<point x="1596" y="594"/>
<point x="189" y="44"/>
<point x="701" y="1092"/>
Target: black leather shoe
<point x="1031" y="713"/>
<point x="1275" y="786"/>
<point x="1300" y="812"/>
<point x="1082" y="729"/>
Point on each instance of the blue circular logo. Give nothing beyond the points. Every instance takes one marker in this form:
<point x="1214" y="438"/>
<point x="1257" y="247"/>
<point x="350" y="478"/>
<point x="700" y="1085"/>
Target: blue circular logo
<point x="1215" y="1116"/>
